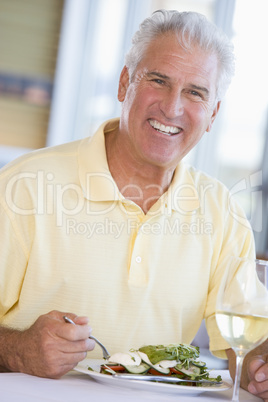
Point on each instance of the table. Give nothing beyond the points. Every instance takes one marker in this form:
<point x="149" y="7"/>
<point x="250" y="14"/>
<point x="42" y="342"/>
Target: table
<point x="78" y="387"/>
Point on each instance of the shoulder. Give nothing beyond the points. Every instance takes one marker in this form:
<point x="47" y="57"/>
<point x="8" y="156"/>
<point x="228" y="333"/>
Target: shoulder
<point x="216" y="198"/>
<point x="206" y="185"/>
<point x="199" y="177"/>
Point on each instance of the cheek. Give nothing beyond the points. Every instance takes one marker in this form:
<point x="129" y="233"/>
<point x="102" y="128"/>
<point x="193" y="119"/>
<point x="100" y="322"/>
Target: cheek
<point x="200" y="115"/>
<point x="134" y="97"/>
<point x="147" y="94"/>
<point x="128" y="105"/>
<point x="139" y="103"/>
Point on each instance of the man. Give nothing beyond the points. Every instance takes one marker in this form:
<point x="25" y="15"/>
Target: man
<point x="116" y="228"/>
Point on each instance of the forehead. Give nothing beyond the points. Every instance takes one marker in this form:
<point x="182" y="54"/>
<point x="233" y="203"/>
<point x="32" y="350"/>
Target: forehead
<point x="165" y="54"/>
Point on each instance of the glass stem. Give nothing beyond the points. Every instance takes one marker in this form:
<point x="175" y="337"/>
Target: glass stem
<point x="238" y="372"/>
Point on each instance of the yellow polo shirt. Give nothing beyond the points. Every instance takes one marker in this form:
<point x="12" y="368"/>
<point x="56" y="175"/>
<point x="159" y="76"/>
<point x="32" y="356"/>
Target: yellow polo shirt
<point x="71" y="242"/>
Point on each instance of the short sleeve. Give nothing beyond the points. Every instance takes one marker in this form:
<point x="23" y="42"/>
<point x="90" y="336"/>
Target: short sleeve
<point x="13" y="262"/>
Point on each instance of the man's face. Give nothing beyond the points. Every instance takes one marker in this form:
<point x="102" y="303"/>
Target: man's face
<point x="169" y="103"/>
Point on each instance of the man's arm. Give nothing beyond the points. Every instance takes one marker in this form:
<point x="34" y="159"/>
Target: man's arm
<point x="49" y="348"/>
<point x="254" y="376"/>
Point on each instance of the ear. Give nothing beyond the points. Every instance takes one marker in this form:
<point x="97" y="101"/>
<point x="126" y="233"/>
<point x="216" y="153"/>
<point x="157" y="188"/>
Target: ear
<point x="213" y="116"/>
<point x="123" y="84"/>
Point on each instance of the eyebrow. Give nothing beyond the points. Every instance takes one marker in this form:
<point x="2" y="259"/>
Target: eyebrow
<point x="156" y="74"/>
<point x="192" y="86"/>
<point x="198" y="88"/>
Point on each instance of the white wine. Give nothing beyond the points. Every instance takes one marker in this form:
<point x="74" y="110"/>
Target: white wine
<point x="242" y="331"/>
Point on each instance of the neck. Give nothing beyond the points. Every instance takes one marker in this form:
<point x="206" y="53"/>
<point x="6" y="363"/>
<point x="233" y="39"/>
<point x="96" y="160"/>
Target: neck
<point x="142" y="183"/>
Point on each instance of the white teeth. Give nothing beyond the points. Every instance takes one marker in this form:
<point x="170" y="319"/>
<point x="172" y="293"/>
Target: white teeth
<point x="168" y="130"/>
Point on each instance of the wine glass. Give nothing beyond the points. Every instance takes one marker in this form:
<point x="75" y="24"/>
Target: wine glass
<point x="242" y="309"/>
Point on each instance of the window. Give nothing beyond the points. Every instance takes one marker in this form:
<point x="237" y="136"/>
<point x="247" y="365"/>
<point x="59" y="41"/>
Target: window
<point x="29" y="35"/>
<point x="243" y="129"/>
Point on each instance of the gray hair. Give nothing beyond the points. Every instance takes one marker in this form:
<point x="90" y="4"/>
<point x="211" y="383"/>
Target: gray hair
<point x="191" y="29"/>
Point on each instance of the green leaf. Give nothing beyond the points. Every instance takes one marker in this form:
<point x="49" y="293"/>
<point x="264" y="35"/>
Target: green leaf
<point x="179" y="352"/>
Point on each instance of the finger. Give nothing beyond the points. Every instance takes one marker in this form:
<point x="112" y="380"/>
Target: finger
<point x="74" y="319"/>
<point x="69" y="332"/>
<point x="58" y="315"/>
<point x="262" y="373"/>
<point x="74" y="332"/>
<point x="86" y="345"/>
<point x="258" y="373"/>
<point x="259" y="389"/>
<point x="60" y="366"/>
<point x="74" y="358"/>
<point x="62" y="356"/>
<point x="81" y="320"/>
<point x="255" y="368"/>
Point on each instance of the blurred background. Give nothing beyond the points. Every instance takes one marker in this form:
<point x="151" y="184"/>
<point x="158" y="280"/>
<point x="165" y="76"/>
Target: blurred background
<point x="60" y="62"/>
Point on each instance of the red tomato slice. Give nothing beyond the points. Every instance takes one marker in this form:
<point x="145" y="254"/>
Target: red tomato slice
<point x="155" y="372"/>
<point x="116" y="367"/>
<point x="175" y="371"/>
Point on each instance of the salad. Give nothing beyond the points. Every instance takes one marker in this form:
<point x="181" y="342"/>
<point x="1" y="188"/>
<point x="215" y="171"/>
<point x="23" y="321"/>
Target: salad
<point x="179" y="360"/>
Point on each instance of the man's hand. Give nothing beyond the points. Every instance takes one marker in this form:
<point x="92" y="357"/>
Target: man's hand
<point x="258" y="376"/>
<point x="49" y="348"/>
<point x="255" y="370"/>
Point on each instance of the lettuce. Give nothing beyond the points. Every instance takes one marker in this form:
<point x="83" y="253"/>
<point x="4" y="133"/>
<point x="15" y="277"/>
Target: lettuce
<point x="179" y="352"/>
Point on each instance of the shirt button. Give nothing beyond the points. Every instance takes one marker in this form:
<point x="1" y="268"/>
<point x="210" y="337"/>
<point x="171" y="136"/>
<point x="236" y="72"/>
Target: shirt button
<point x="138" y="259"/>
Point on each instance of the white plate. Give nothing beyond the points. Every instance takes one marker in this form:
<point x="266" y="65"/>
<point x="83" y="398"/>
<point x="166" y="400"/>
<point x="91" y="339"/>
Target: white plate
<point x="109" y="380"/>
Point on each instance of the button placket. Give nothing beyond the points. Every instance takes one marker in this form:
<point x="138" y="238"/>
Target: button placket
<point x="138" y="272"/>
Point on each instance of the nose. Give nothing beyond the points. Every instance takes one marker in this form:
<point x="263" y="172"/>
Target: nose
<point x="172" y="105"/>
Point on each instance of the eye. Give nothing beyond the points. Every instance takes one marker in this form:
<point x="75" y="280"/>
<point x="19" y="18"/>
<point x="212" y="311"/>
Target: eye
<point x="195" y="93"/>
<point x="195" y="96"/>
<point x="158" y="81"/>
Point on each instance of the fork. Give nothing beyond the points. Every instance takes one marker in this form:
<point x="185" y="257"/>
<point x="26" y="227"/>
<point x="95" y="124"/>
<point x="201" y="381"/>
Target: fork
<point x="162" y="378"/>
<point x="105" y="352"/>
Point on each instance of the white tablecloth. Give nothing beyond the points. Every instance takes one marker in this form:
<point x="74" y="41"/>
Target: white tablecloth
<point x="78" y="387"/>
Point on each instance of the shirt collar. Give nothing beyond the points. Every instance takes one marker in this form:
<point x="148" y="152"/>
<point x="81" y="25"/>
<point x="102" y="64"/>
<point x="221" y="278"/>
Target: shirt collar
<point x="94" y="174"/>
<point x="182" y="195"/>
<point x="98" y="184"/>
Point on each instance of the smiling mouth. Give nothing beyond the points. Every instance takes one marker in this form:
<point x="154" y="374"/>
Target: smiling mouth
<point x="167" y="130"/>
